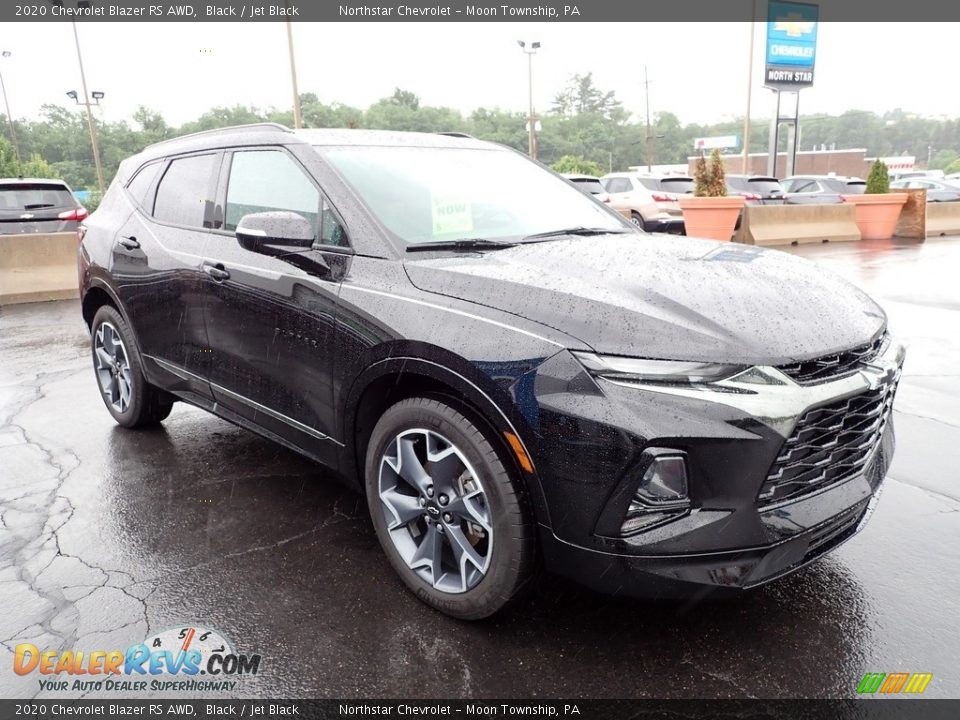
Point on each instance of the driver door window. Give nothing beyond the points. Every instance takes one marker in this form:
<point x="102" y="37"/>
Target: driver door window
<point x="268" y="181"/>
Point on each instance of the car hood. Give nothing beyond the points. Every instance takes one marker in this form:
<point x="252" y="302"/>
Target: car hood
<point x="665" y="297"/>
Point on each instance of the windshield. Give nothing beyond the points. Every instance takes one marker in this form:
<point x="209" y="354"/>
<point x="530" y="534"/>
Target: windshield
<point x="425" y="194"/>
<point x="591" y="185"/>
<point x="680" y="185"/>
<point x="766" y="186"/>
<point x="34" y="196"/>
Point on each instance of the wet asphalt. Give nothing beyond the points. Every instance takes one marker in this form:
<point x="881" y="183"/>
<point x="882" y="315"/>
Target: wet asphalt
<point x="108" y="536"/>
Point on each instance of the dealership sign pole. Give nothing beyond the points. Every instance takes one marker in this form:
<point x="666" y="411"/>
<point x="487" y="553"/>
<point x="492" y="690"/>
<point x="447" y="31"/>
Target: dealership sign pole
<point x="790" y="59"/>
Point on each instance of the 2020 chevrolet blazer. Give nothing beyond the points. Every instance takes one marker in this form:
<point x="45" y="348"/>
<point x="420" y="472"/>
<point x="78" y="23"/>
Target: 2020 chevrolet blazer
<point x="514" y="379"/>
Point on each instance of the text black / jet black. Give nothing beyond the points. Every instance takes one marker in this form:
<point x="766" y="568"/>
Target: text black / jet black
<point x="646" y="414"/>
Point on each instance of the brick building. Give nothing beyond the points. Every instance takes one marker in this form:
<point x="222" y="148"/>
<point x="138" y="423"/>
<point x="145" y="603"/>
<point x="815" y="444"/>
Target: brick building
<point x="812" y="162"/>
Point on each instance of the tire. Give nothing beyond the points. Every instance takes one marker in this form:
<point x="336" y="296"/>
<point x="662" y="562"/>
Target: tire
<point x="489" y="510"/>
<point x="637" y="219"/>
<point x="128" y="397"/>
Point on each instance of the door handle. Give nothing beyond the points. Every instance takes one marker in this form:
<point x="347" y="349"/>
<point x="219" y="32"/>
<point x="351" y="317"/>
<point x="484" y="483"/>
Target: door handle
<point x="217" y="272"/>
<point x="130" y="243"/>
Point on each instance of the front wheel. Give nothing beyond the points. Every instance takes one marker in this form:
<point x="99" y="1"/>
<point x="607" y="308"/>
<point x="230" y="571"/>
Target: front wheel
<point x="451" y="519"/>
<point x="129" y="398"/>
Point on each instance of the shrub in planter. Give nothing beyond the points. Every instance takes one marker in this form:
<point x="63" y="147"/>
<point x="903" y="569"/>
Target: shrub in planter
<point x="878" y="209"/>
<point x="710" y="213"/>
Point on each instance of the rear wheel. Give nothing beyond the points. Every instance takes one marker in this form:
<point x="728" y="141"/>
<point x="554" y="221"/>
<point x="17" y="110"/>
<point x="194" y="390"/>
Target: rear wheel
<point x="451" y="519"/>
<point x="129" y="398"/>
<point x="637" y="220"/>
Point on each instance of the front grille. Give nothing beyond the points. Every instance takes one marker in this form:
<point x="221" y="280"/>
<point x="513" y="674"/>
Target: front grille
<point x="830" y="367"/>
<point x="829" y="444"/>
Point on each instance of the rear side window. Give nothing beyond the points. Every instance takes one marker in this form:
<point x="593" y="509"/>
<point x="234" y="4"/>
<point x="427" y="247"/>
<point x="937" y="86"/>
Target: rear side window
<point x="618" y="185"/>
<point x="184" y="194"/>
<point x="141" y="183"/>
<point x="267" y="181"/>
<point x="649" y="183"/>
<point x="35" y="196"/>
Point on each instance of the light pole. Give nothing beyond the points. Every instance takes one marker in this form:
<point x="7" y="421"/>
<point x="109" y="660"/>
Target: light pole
<point x="297" y="116"/>
<point x="746" y="120"/>
<point x="646" y="88"/>
<point x="13" y="130"/>
<point x="98" y="96"/>
<point x="531" y="118"/>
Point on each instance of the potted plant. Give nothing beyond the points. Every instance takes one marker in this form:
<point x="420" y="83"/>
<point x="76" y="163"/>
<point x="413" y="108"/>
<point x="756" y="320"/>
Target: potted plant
<point x="710" y="213"/>
<point x="878" y="209"/>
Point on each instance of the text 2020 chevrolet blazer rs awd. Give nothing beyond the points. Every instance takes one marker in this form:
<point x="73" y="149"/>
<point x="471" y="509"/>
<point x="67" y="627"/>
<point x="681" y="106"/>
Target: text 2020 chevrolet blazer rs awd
<point x="513" y="374"/>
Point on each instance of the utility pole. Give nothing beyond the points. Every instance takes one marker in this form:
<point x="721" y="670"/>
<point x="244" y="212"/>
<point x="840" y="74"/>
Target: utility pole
<point x="746" y="119"/>
<point x="13" y="130"/>
<point x="297" y="116"/>
<point x="531" y="118"/>
<point x="86" y="102"/>
<point x="646" y="86"/>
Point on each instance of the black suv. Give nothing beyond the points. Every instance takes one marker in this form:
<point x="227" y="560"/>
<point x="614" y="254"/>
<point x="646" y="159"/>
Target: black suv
<point x="514" y="379"/>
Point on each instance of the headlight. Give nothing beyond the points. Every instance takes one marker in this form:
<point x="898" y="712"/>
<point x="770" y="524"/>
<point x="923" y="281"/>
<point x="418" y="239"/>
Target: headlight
<point x="615" y="367"/>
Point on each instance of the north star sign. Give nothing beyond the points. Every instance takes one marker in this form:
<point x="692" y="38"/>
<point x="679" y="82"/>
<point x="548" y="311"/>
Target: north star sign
<point x="791" y="44"/>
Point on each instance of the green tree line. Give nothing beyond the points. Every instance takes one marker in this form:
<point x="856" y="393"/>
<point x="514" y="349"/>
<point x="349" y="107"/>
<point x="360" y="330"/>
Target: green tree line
<point x="585" y="124"/>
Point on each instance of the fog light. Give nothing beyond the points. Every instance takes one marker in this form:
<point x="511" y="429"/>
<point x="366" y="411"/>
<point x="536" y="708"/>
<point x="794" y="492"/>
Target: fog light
<point x="665" y="480"/>
<point x="661" y="495"/>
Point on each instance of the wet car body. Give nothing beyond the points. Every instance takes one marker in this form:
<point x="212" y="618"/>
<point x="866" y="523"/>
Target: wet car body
<point x="309" y="347"/>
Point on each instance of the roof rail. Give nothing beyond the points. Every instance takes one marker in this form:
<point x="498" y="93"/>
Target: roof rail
<point x="455" y="133"/>
<point x="253" y="127"/>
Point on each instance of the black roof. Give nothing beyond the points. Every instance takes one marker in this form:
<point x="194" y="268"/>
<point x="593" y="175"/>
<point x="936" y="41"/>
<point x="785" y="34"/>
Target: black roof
<point x="273" y="133"/>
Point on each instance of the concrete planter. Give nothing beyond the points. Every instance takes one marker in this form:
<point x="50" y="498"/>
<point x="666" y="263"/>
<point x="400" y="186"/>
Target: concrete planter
<point x="711" y="217"/>
<point x="877" y="215"/>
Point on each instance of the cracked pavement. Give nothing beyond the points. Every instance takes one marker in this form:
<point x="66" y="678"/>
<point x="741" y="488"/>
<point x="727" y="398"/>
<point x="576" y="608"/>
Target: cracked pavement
<point x="108" y="536"/>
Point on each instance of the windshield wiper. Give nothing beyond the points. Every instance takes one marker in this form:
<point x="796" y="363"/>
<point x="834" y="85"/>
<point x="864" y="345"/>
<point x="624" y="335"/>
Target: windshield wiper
<point x="465" y="244"/>
<point x="37" y="206"/>
<point x="580" y="230"/>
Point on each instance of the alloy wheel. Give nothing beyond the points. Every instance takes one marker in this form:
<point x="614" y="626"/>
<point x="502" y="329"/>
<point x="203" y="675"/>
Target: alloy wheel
<point x="113" y="366"/>
<point x="435" y="509"/>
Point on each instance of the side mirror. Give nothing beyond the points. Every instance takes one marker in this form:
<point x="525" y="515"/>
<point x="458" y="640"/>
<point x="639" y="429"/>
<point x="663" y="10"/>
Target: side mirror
<point x="274" y="233"/>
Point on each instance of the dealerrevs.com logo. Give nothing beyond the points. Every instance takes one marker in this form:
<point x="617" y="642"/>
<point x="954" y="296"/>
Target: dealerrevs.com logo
<point x="894" y="683"/>
<point x="188" y="658"/>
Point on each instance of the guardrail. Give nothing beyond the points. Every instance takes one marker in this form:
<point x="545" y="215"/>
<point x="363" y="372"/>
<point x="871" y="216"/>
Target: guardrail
<point x="796" y="224"/>
<point x="35" y="267"/>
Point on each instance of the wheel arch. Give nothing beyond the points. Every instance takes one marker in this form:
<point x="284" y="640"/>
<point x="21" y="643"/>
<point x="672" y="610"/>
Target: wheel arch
<point x="391" y="380"/>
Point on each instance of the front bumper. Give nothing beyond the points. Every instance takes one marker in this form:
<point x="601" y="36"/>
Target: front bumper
<point x="732" y="435"/>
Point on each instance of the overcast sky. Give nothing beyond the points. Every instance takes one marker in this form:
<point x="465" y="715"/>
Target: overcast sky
<point x="697" y="71"/>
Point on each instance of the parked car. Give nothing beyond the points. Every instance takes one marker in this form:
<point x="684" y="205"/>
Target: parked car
<point x="634" y="201"/>
<point x="590" y="185"/>
<point x="756" y="189"/>
<point x="804" y="189"/>
<point x="667" y="190"/>
<point x="510" y="377"/>
<point x="937" y="190"/>
<point x="29" y="205"/>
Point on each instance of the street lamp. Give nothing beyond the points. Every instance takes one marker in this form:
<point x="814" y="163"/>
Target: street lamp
<point x="13" y="131"/>
<point x="97" y="96"/>
<point x="531" y="120"/>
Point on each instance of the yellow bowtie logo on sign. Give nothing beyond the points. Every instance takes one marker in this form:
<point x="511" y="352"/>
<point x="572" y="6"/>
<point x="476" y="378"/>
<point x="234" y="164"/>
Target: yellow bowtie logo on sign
<point x="794" y="28"/>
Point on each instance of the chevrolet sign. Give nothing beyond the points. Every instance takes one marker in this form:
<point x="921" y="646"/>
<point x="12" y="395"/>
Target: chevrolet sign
<point x="791" y="44"/>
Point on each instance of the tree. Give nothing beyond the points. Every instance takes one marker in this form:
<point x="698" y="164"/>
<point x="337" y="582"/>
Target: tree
<point x="37" y="167"/>
<point x="878" y="181"/>
<point x="8" y="159"/>
<point x="405" y="98"/>
<point x="578" y="165"/>
<point x="581" y="96"/>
